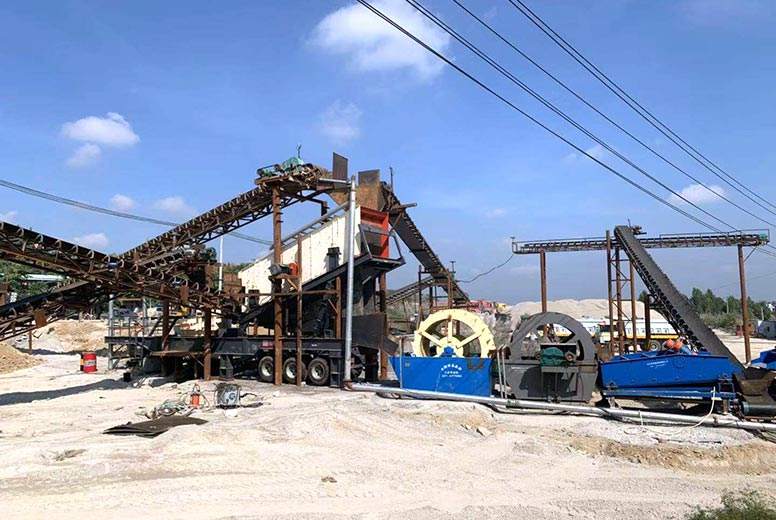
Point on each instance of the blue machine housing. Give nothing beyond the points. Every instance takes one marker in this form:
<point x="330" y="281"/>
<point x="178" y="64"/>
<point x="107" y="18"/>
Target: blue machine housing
<point x="470" y="376"/>
<point x="669" y="375"/>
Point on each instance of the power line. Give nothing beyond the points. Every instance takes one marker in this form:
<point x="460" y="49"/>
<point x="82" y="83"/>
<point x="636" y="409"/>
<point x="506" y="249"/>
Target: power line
<point x="645" y="114"/>
<point x="105" y="211"/>
<point x="526" y="114"/>
<point x="582" y="99"/>
<point x="494" y="268"/>
<point x="533" y="119"/>
<point x="507" y="74"/>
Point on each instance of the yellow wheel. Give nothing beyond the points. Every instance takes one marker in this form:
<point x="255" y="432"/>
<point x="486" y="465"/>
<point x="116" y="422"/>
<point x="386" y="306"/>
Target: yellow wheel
<point x="463" y="331"/>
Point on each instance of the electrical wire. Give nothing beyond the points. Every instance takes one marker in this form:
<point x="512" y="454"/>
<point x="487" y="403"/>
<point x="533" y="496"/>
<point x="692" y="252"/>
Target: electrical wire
<point x="587" y="103"/>
<point x="531" y="118"/>
<point x="507" y="74"/>
<point x="482" y="55"/>
<point x="494" y="268"/>
<point x="105" y="211"/>
<point x="645" y="114"/>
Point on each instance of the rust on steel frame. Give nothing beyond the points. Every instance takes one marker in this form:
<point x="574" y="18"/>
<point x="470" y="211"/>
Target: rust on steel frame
<point x="164" y="252"/>
<point x="27" y="247"/>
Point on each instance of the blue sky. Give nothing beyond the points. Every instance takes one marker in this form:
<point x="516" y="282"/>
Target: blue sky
<point x="167" y="108"/>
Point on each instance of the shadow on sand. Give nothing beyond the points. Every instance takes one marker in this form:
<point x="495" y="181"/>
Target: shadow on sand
<point x="29" y="397"/>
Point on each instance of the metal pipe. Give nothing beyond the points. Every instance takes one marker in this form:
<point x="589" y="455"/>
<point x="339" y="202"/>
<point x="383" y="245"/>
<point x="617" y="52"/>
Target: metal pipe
<point x="351" y="259"/>
<point x="299" y="365"/>
<point x="712" y="420"/>
<point x="744" y="303"/>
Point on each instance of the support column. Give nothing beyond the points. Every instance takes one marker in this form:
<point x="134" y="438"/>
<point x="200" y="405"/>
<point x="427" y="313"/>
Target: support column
<point x="618" y="294"/>
<point x="338" y="308"/>
<point x="648" y="322"/>
<point x="382" y="289"/>
<point x="299" y="363"/>
<point x="277" y="284"/>
<point x="420" y="297"/>
<point x="543" y="276"/>
<point x="609" y="289"/>
<point x="634" y="314"/>
<point x="165" y="325"/>
<point x="744" y="303"/>
<point x="208" y="344"/>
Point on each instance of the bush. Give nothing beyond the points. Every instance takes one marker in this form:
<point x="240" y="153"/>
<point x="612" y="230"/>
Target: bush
<point x="745" y="505"/>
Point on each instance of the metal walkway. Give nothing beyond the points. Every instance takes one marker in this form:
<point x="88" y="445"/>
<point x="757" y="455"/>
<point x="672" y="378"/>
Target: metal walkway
<point x="677" y="309"/>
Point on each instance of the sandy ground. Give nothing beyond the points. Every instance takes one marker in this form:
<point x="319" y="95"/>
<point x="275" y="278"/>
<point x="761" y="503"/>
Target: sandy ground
<point x="330" y="454"/>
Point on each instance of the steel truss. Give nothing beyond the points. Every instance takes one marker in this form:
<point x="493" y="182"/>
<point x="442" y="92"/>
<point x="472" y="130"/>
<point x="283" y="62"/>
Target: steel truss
<point x="159" y="267"/>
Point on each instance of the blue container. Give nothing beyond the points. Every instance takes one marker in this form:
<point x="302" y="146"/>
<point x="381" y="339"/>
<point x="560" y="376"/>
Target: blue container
<point x="456" y="375"/>
<point x="665" y="369"/>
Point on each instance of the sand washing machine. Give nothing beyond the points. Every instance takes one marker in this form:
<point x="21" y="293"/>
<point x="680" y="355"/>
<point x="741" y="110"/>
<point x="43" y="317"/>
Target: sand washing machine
<point x="543" y="363"/>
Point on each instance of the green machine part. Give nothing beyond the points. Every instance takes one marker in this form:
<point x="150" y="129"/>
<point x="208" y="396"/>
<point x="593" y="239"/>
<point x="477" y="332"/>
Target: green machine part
<point x="552" y="357"/>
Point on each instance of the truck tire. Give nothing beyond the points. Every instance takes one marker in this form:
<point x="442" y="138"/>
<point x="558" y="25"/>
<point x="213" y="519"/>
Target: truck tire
<point x="266" y="370"/>
<point x="654" y="345"/>
<point x="289" y="371"/>
<point x="318" y="372"/>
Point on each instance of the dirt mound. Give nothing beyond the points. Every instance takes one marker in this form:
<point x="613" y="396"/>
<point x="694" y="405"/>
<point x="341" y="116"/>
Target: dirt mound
<point x="753" y="458"/>
<point x="75" y="335"/>
<point x="11" y="359"/>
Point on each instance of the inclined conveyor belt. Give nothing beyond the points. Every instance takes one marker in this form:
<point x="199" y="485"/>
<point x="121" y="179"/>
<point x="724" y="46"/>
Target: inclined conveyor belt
<point x="677" y="308"/>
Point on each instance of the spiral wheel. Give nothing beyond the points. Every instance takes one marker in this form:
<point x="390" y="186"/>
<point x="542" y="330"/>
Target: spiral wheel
<point x="463" y="331"/>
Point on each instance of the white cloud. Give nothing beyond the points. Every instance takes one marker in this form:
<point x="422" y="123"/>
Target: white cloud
<point x="697" y="194"/>
<point x="371" y="44"/>
<point x="111" y="130"/>
<point x="717" y="13"/>
<point x="596" y="151"/>
<point x="495" y="212"/>
<point x="9" y="216"/>
<point x="85" y="155"/>
<point x="122" y="202"/>
<point x="92" y="240"/>
<point x="340" y="122"/>
<point x="174" y="204"/>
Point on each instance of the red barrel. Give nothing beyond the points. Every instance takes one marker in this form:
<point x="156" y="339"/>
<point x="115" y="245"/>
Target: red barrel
<point x="89" y="361"/>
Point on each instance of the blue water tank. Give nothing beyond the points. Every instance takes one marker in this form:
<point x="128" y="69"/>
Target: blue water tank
<point x="456" y="375"/>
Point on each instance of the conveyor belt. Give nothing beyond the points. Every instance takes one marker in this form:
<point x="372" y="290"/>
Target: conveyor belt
<point x="416" y="243"/>
<point x="678" y="310"/>
<point x="409" y="290"/>
<point x="19" y="317"/>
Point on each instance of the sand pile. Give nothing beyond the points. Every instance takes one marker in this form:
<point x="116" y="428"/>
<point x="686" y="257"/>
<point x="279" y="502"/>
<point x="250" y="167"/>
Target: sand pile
<point x="11" y="359"/>
<point x="590" y="308"/>
<point x="73" y="336"/>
